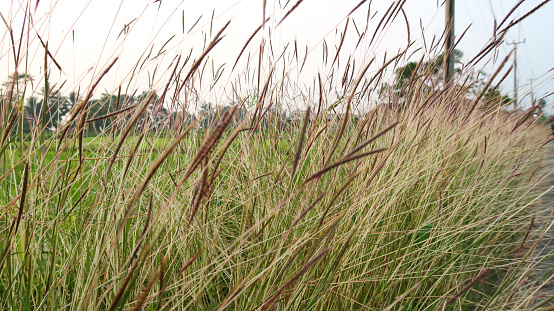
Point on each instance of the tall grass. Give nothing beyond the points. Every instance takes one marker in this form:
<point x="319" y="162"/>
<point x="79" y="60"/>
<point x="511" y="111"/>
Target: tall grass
<point x="420" y="202"/>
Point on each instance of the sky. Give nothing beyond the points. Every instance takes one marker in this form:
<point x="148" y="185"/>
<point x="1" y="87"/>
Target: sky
<point x="84" y="36"/>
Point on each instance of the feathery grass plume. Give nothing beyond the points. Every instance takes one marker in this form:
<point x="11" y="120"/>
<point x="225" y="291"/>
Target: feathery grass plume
<point x="209" y="143"/>
<point x="342" y="161"/>
<point x="341" y="188"/>
<point x="248" y="41"/>
<point x="408" y="189"/>
<point x="342" y="37"/>
<point x="482" y="93"/>
<point x="194" y="67"/>
<point x="78" y="108"/>
<point x="261" y="98"/>
<point x="369" y="141"/>
<point x="526" y="15"/>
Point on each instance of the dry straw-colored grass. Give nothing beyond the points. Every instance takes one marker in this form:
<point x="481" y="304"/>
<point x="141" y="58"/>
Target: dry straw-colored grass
<point x="420" y="203"/>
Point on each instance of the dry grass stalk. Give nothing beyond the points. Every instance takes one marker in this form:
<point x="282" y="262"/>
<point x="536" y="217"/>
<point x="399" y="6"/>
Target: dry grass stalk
<point x="447" y="189"/>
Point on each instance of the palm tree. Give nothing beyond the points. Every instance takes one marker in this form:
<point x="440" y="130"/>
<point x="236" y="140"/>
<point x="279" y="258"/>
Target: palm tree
<point x="52" y="114"/>
<point x="18" y="81"/>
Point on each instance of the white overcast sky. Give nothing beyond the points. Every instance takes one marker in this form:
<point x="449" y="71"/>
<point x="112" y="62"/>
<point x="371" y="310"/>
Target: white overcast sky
<point x="83" y="34"/>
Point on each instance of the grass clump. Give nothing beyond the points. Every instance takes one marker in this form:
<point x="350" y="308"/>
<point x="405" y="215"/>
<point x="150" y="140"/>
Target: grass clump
<point x="420" y="202"/>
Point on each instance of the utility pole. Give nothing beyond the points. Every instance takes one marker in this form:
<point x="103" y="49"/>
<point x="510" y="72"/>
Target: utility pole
<point x="515" y="70"/>
<point x="449" y="39"/>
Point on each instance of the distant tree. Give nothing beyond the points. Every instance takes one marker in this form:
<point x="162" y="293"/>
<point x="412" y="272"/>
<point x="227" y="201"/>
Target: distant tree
<point x="404" y="74"/>
<point x="433" y="66"/>
<point x="207" y="114"/>
<point x="437" y="64"/>
<point x="397" y="92"/>
<point x="494" y="98"/>
<point x="17" y="84"/>
<point x="100" y="108"/>
<point x="48" y="116"/>
<point x="181" y="120"/>
<point x="73" y="98"/>
<point x="12" y="96"/>
<point x="156" y="117"/>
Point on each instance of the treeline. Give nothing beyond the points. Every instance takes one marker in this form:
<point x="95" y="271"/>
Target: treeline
<point x="50" y="109"/>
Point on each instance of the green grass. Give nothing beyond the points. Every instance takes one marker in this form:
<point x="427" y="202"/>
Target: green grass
<point x="437" y="215"/>
<point x="400" y="209"/>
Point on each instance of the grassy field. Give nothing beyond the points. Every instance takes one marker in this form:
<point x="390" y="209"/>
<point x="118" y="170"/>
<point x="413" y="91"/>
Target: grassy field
<point x="420" y="203"/>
